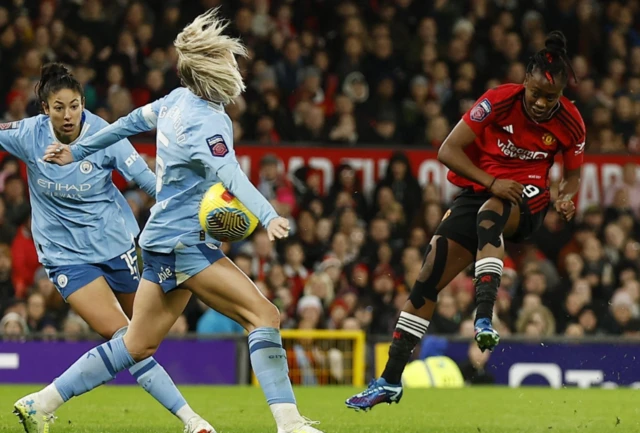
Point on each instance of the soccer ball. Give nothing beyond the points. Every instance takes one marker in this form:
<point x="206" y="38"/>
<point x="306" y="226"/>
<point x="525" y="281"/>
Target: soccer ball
<point x="224" y="217"/>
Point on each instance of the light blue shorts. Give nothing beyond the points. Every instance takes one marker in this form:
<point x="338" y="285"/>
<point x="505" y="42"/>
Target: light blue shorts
<point x="169" y="270"/>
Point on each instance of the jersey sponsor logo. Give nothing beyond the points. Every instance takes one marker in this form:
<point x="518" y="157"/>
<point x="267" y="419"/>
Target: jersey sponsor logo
<point x="508" y="128"/>
<point x="9" y="125"/>
<point x="579" y="148"/>
<point x="86" y="167"/>
<point x="62" y="281"/>
<point x="513" y="151"/>
<point x="481" y="111"/>
<point x="548" y="139"/>
<point x="64" y="190"/>
<point x="217" y="146"/>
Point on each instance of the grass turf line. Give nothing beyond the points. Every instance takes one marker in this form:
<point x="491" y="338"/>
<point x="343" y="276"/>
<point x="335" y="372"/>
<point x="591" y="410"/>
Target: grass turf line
<point x="120" y="409"/>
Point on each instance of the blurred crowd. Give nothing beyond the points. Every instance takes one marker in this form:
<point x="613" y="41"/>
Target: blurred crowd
<point x="334" y="71"/>
<point x="347" y="72"/>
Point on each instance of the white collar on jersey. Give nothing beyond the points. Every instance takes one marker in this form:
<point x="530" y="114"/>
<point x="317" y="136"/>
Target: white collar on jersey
<point x="83" y="132"/>
<point x="216" y="107"/>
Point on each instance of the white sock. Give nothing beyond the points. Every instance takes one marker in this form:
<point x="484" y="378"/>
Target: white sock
<point x="49" y="399"/>
<point x="489" y="265"/>
<point x="185" y="413"/>
<point x="284" y="414"/>
<point x="412" y="324"/>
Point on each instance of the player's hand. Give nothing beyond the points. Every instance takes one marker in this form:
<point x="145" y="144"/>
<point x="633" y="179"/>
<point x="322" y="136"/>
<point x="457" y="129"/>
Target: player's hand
<point x="58" y="153"/>
<point x="278" y="228"/>
<point x="507" y="189"/>
<point x="566" y="209"/>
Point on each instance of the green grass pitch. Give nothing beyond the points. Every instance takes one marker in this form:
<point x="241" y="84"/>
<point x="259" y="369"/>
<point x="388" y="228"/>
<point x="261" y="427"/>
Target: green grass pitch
<point x="243" y="410"/>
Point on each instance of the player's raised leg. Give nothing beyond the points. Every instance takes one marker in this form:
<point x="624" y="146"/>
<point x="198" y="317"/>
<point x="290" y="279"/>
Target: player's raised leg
<point x="227" y="289"/>
<point x="444" y="260"/>
<point x="495" y="217"/>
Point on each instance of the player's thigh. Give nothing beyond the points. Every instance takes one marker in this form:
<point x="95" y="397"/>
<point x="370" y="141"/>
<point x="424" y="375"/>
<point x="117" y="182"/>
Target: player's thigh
<point x="154" y="313"/>
<point x="96" y="304"/>
<point x="126" y="301"/>
<point x="225" y="288"/>
<point x="532" y="212"/>
<point x="459" y="223"/>
<point x="123" y="277"/>
<point x="444" y="260"/>
<point x="509" y="210"/>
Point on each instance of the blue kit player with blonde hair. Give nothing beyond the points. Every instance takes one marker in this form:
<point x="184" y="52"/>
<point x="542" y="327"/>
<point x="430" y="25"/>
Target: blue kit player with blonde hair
<point x="194" y="151"/>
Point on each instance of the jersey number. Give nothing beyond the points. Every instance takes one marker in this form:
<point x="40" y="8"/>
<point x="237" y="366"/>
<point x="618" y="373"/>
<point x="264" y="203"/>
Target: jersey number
<point x="530" y="191"/>
<point x="131" y="259"/>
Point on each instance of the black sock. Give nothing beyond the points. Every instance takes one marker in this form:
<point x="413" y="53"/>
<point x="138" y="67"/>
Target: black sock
<point x="487" y="281"/>
<point x="408" y="333"/>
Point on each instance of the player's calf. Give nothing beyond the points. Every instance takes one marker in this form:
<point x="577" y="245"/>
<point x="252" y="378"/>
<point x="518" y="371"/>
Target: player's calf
<point x="491" y="222"/>
<point x="413" y="323"/>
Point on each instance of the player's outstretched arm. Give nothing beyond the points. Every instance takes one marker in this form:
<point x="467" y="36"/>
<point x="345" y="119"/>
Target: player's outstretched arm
<point x="142" y="119"/>
<point x="216" y="152"/>
<point x="240" y="186"/>
<point x="452" y="155"/>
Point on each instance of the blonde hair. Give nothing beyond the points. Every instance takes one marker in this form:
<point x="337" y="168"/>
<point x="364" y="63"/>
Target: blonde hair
<point x="204" y="61"/>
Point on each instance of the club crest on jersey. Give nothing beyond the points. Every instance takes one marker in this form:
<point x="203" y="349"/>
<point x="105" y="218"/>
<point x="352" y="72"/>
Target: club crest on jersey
<point x="481" y="110"/>
<point x="86" y="167"/>
<point x="62" y="281"/>
<point x="548" y="139"/>
<point x="9" y="125"/>
<point x="217" y="146"/>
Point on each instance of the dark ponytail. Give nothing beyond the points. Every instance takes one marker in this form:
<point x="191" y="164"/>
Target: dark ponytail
<point x="53" y="78"/>
<point x="553" y="60"/>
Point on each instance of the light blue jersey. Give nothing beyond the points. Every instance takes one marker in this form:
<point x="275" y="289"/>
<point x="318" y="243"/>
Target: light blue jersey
<point x="194" y="150"/>
<point x="78" y="214"/>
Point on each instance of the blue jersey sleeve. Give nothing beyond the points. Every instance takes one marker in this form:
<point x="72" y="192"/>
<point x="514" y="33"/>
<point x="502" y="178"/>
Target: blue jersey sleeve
<point x="216" y="152"/>
<point x="14" y="137"/>
<point x="125" y="158"/>
<point x="141" y="119"/>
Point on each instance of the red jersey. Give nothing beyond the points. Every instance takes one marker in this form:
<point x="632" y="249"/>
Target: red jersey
<point x="509" y="145"/>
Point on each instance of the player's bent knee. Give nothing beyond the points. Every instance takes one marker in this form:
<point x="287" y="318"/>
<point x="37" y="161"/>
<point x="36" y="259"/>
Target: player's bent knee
<point x="491" y="224"/>
<point x="140" y="350"/>
<point x="266" y="315"/>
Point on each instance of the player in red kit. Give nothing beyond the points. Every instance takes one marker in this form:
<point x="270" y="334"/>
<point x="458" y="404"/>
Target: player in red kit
<point x="500" y="154"/>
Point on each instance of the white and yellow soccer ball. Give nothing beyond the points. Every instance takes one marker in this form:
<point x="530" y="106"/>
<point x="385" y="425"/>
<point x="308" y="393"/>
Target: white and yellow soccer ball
<point x="224" y="217"/>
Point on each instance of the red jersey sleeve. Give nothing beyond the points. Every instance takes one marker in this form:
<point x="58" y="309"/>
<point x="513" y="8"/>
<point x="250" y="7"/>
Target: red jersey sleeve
<point x="573" y="153"/>
<point x="481" y="114"/>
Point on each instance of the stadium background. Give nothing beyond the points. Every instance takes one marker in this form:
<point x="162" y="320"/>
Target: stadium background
<point x="346" y="105"/>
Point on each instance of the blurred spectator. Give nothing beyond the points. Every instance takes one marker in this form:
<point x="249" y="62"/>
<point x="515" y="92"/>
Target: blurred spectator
<point x="13" y="327"/>
<point x="25" y="259"/>
<point x="212" y="322"/>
